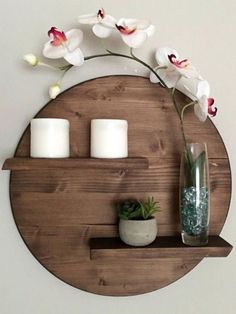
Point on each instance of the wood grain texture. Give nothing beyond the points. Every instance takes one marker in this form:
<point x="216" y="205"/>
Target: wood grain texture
<point x="22" y="163"/>
<point x="162" y="176"/>
<point x="58" y="210"/>
<point x="162" y="247"/>
<point x="114" y="278"/>
<point x="147" y="107"/>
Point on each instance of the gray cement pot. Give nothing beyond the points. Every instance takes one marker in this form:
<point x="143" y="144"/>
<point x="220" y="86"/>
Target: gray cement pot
<point x="138" y="232"/>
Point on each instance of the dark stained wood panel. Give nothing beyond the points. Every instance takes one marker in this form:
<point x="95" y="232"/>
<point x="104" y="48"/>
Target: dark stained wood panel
<point x="153" y="123"/>
<point x="162" y="247"/>
<point x="58" y="210"/>
<point x="161" y="177"/>
<point x="115" y="278"/>
<point x="22" y="163"/>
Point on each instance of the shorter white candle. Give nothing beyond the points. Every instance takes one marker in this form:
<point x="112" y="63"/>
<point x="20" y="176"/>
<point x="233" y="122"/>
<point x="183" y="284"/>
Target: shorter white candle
<point x="49" y="138"/>
<point x="109" y="138"/>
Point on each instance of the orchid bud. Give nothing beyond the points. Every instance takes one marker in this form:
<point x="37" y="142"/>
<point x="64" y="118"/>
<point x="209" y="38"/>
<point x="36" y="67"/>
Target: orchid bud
<point x="54" y="90"/>
<point x="31" y="59"/>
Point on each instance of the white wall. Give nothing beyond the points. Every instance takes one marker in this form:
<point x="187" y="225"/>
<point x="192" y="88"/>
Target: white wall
<point x="202" y="30"/>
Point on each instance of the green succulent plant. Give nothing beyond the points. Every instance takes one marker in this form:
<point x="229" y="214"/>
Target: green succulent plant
<point x="138" y="210"/>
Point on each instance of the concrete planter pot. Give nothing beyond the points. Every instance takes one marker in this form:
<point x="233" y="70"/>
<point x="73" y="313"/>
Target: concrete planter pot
<point x="138" y="232"/>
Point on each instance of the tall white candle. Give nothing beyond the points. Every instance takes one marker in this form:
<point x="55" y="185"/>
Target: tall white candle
<point x="49" y="138"/>
<point x="109" y="138"/>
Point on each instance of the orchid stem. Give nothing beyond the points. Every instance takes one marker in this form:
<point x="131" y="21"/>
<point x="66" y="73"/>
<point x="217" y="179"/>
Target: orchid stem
<point x="63" y="74"/>
<point x="173" y="97"/>
<point x="185" y="107"/>
<point x="132" y="57"/>
<point x="188" y="154"/>
<point x="149" y="67"/>
<point x="181" y="119"/>
<point x="176" y="83"/>
<point x="66" y="67"/>
<point x="97" y="56"/>
<point x="47" y="65"/>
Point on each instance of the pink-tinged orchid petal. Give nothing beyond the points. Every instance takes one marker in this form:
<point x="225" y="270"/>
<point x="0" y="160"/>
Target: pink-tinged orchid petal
<point x="125" y="30"/>
<point x="183" y="67"/>
<point x="65" y="45"/>
<point x="210" y="102"/>
<point x="162" y="55"/>
<point x="103" y="24"/>
<point x="99" y="17"/>
<point x="75" y="57"/>
<point x="101" y="31"/>
<point x="58" y="38"/>
<point x="134" y="23"/>
<point x="204" y="105"/>
<point x="178" y="63"/>
<point x="169" y="57"/>
<point x="169" y="74"/>
<point x="211" y="111"/>
<point x="101" y="14"/>
<point x="134" y="32"/>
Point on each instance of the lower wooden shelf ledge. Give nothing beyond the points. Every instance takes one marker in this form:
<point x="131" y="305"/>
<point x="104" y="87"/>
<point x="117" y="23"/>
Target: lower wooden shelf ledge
<point x="162" y="247"/>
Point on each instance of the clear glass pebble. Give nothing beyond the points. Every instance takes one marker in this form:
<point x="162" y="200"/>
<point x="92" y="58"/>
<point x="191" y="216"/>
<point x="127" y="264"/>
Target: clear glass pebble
<point x="194" y="210"/>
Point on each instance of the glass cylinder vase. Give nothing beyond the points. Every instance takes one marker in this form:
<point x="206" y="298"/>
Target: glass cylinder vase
<point x="194" y="195"/>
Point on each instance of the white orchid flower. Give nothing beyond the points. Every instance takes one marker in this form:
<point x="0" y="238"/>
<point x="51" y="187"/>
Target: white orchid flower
<point x="170" y="68"/>
<point x="135" y="32"/>
<point x="54" y="90"/>
<point x="65" y="45"/>
<point x="103" y="24"/>
<point x="31" y="59"/>
<point x="204" y="104"/>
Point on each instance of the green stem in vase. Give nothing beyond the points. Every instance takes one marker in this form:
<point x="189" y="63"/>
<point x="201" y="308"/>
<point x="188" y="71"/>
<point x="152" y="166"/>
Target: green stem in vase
<point x="188" y="156"/>
<point x="183" y="132"/>
<point x="195" y="167"/>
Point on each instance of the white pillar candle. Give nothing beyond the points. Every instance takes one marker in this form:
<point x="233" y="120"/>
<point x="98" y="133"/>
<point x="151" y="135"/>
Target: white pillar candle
<point x="49" y="138"/>
<point x="109" y="138"/>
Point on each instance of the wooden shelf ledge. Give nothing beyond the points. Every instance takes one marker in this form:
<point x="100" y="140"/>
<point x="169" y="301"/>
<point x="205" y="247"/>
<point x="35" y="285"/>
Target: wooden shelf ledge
<point x="162" y="247"/>
<point x="24" y="163"/>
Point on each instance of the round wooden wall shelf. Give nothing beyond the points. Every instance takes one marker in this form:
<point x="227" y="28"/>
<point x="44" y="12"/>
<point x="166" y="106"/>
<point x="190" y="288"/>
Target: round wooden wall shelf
<point x="59" y="206"/>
